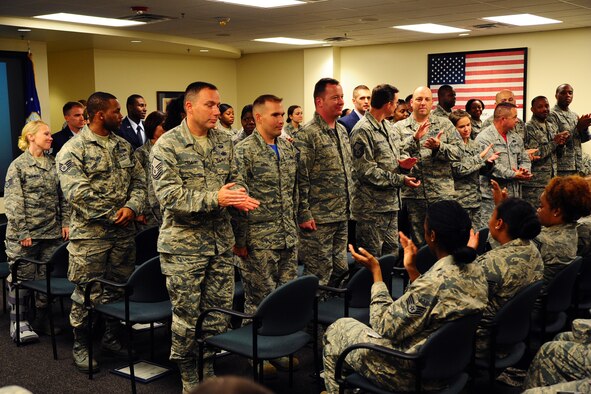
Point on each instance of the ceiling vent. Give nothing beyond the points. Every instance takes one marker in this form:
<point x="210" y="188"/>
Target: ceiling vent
<point x="141" y="14"/>
<point x="492" y="25"/>
<point x="337" y="39"/>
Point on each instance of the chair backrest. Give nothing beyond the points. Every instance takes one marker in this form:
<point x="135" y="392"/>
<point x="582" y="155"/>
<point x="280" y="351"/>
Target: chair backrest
<point x="559" y="291"/>
<point x="512" y="321"/>
<point x="3" y="257"/>
<point x="359" y="288"/>
<point x="289" y="308"/>
<point x="483" y="245"/>
<point x="59" y="260"/>
<point x="425" y="259"/>
<point x="584" y="279"/>
<point x="448" y="351"/>
<point x="146" y="244"/>
<point x="148" y="282"/>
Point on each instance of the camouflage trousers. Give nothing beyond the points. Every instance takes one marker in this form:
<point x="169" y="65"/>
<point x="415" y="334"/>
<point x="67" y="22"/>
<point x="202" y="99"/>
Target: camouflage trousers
<point x="577" y="386"/>
<point x="486" y="210"/>
<point x="196" y="283"/>
<point x="557" y="362"/>
<point x="417" y="211"/>
<point x="378" y="233"/>
<point x="324" y="252"/>
<point x="41" y="249"/>
<point x="112" y="259"/>
<point x="263" y="271"/>
<point x="386" y="373"/>
<point x="532" y="194"/>
<point x="475" y="218"/>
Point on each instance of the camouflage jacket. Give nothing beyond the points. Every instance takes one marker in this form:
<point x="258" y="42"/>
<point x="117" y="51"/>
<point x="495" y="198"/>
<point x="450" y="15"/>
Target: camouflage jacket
<point x="512" y="155"/>
<point x="466" y="174"/>
<point x="98" y="179"/>
<point x="540" y="136"/>
<point x="34" y="204"/>
<point x="558" y="247"/>
<point x="376" y="150"/>
<point x="186" y="182"/>
<point x="272" y="181"/>
<point x="441" y="112"/>
<point x="433" y="167"/>
<point x="142" y="154"/>
<point x="572" y="157"/>
<point x="519" y="128"/>
<point x="584" y="236"/>
<point x="290" y="131"/>
<point x="325" y="172"/>
<point x="444" y="293"/>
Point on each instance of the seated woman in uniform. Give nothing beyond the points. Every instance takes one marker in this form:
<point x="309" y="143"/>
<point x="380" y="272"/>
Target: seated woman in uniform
<point x="511" y="266"/>
<point x="452" y="288"/>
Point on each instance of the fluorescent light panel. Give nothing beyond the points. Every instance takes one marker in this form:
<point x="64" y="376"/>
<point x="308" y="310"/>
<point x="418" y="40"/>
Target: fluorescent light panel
<point x="288" y="41"/>
<point x="262" y="3"/>
<point x="431" y="28"/>
<point x="522" y="20"/>
<point x="89" y="20"/>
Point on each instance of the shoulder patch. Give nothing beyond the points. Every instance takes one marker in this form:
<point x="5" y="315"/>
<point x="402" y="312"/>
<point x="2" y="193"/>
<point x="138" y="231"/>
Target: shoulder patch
<point x="156" y="168"/>
<point x="65" y="167"/>
<point x="412" y="307"/>
<point x="358" y="149"/>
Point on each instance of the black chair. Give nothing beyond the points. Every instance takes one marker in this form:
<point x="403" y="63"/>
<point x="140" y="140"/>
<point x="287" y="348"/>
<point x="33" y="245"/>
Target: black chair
<point x="425" y="259"/>
<point x="353" y="300"/>
<point x="146" y="244"/>
<point x="55" y="284"/>
<point x="582" y="292"/>
<point x="510" y="328"/>
<point x="444" y="356"/>
<point x="276" y="329"/>
<point x="145" y="300"/>
<point x="556" y="298"/>
<point x="4" y="270"/>
<point x="483" y="244"/>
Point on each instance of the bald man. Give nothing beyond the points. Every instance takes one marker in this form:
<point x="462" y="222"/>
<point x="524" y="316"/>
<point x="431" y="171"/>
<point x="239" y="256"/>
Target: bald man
<point x="435" y="143"/>
<point x="506" y="96"/>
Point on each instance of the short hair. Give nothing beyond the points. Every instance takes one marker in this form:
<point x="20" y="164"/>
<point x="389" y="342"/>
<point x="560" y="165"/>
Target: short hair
<point x="246" y="109"/>
<point x="71" y="104"/>
<point x="262" y="99"/>
<point x="359" y="87"/>
<point x="320" y="86"/>
<point x="30" y="128"/>
<point x="194" y="88"/>
<point x="290" y="111"/>
<point x="533" y="101"/>
<point x="502" y="109"/>
<point x="98" y="101"/>
<point x="224" y="107"/>
<point x="458" y="114"/>
<point x="443" y="88"/>
<point x="382" y="95"/>
<point x="401" y="102"/>
<point x="520" y="217"/>
<point x="152" y="121"/>
<point x="563" y="85"/>
<point x="132" y="99"/>
<point x="571" y="194"/>
<point x="472" y="101"/>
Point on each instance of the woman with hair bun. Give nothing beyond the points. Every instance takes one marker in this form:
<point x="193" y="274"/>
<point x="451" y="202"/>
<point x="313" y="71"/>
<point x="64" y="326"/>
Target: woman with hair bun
<point x="226" y="120"/>
<point x="452" y="288"/>
<point x="295" y="117"/>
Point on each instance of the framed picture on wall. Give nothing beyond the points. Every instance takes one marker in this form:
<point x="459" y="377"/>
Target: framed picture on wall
<point x="163" y="98"/>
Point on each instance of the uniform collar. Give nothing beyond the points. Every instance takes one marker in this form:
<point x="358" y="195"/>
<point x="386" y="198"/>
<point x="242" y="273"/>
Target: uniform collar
<point x="32" y="162"/>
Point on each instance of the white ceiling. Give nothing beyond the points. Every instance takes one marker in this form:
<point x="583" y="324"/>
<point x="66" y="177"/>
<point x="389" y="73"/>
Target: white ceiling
<point x="195" y="27"/>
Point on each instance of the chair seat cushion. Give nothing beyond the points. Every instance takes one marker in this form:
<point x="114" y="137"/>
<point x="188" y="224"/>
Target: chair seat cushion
<point x="515" y="354"/>
<point x="240" y="342"/>
<point x="554" y="323"/>
<point x="333" y="309"/>
<point x="357" y="380"/>
<point x="4" y="271"/>
<point x="139" y="312"/>
<point x="59" y="286"/>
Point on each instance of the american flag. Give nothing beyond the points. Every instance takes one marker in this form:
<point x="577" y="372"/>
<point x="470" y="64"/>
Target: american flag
<point x="480" y="75"/>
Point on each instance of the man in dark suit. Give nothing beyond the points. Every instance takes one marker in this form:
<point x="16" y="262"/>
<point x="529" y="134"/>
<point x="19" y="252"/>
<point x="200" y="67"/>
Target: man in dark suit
<point x="74" y="116"/>
<point x="361" y="99"/>
<point x="132" y="126"/>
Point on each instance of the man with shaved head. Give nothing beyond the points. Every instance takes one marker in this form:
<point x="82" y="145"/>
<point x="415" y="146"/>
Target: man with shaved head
<point x="506" y="96"/>
<point x="435" y="143"/>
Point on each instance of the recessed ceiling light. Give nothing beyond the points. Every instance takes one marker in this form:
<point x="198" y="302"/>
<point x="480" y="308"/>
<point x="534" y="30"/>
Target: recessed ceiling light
<point x="204" y="50"/>
<point x="89" y="20"/>
<point x="24" y="30"/>
<point x="136" y="41"/>
<point x="262" y="3"/>
<point x="289" y="41"/>
<point x="522" y="20"/>
<point x="432" y="28"/>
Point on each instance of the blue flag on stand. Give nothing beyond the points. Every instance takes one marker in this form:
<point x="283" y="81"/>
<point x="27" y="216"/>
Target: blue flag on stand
<point x="32" y="105"/>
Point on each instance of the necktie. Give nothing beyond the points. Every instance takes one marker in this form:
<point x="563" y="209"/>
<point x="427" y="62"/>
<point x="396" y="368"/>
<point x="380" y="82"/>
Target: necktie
<point x="139" y="133"/>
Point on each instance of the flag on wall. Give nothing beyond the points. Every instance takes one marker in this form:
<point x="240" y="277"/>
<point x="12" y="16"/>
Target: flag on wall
<point x="480" y="75"/>
<point x="32" y="105"/>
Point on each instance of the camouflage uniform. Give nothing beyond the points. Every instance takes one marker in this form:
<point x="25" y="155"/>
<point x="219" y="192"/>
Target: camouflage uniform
<point x="476" y="127"/>
<point x="584" y="236"/>
<point x="571" y="161"/>
<point x="508" y="268"/>
<point x="466" y="174"/>
<point x="290" y="131"/>
<point x="325" y="183"/>
<point x="512" y="155"/>
<point x="577" y="386"/>
<point x="196" y="237"/>
<point x="99" y="177"/>
<point x="270" y="232"/>
<point x="35" y="208"/>
<point x="540" y="135"/>
<point x="519" y="128"/>
<point x="433" y="168"/>
<point x="376" y="150"/>
<point x="446" y="292"/>
<point x="565" y="359"/>
<point x="239" y="136"/>
<point x="441" y="112"/>
<point x="152" y="208"/>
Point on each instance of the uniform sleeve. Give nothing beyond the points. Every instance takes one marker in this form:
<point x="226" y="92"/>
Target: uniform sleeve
<point x="14" y="202"/>
<point x="532" y="141"/>
<point x="65" y="209"/>
<point x="400" y="319"/>
<point x="140" y="155"/>
<point x="450" y="147"/>
<point x="467" y="165"/>
<point x="500" y="169"/>
<point x="242" y="164"/>
<point x="523" y="159"/>
<point x="138" y="191"/>
<point x="306" y="163"/>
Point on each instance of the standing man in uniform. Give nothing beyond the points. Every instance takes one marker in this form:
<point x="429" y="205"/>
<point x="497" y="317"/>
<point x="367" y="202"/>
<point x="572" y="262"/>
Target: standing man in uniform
<point x="105" y="186"/>
<point x="361" y="98"/>
<point x="325" y="182"/>
<point x="446" y="99"/>
<point x="376" y="154"/>
<point x="196" y="181"/>
<point x="435" y="143"/>
<point x="506" y="96"/>
<point x="74" y="115"/>
<point x="132" y="127"/>
<point x="571" y="161"/>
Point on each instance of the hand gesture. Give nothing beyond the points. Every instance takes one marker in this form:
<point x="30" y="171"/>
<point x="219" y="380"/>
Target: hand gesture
<point x="561" y="138"/>
<point x="434" y="143"/>
<point x="498" y="195"/>
<point x="584" y="122"/>
<point x="410" y="256"/>
<point x="411" y="182"/>
<point x="522" y="174"/>
<point x="26" y="242"/>
<point x="65" y="233"/>
<point x="473" y="240"/>
<point x="247" y="205"/>
<point x="407" y="163"/>
<point x="532" y="154"/>
<point x="227" y="196"/>
<point x="423" y="129"/>
<point x="124" y="216"/>
<point x="310" y="225"/>
<point x="486" y="150"/>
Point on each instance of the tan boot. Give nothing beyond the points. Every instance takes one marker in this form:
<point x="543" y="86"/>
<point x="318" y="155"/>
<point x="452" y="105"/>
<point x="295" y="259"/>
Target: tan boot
<point x="80" y="352"/>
